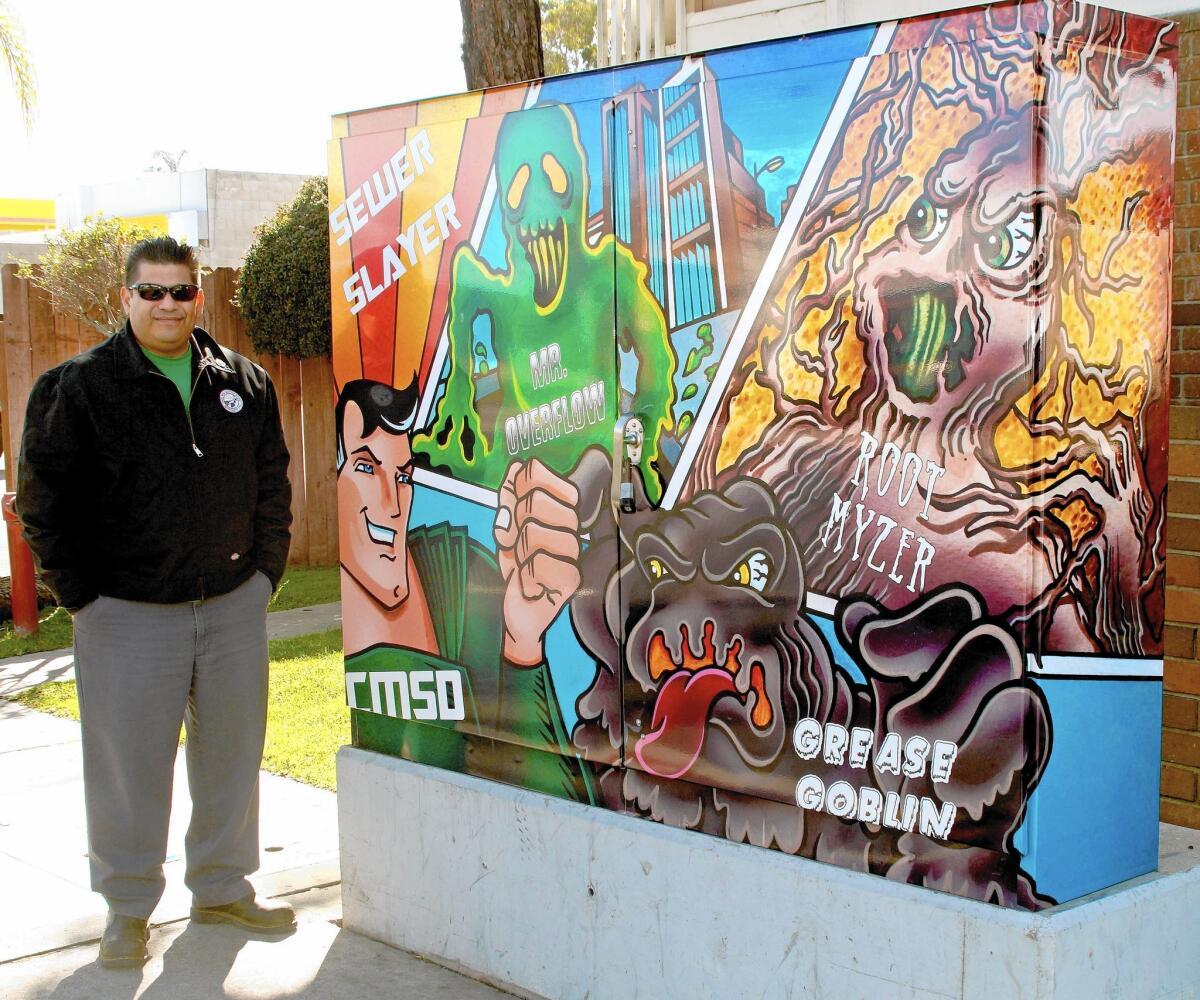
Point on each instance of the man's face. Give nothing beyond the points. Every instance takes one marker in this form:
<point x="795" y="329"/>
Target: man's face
<point x="374" y="500"/>
<point x="163" y="326"/>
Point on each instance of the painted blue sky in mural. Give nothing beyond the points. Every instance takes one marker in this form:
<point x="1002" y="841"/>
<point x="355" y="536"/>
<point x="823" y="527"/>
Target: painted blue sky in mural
<point x="801" y="73"/>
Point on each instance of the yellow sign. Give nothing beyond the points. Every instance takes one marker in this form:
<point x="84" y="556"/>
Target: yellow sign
<point x="26" y="214"/>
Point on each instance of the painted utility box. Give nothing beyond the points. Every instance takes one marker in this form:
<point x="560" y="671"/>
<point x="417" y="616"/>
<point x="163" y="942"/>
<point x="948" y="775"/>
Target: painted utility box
<point x="772" y="442"/>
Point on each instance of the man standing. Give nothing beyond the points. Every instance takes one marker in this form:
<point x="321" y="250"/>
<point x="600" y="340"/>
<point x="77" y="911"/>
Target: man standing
<point x="153" y="491"/>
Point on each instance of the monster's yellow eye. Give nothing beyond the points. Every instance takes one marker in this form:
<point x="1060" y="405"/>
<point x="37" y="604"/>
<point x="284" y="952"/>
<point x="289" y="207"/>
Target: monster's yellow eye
<point x="754" y="572"/>
<point x="516" y="190"/>
<point x="555" y="174"/>
<point x="657" y="569"/>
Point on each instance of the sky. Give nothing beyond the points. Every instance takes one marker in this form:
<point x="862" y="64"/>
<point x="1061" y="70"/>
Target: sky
<point x="247" y="85"/>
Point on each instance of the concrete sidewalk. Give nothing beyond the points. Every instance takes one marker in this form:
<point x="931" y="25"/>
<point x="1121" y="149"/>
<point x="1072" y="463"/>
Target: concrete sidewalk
<point x="195" y="962"/>
<point x="50" y="920"/>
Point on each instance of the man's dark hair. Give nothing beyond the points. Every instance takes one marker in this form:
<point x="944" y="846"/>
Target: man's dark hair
<point x="160" y="250"/>
<point x="395" y="410"/>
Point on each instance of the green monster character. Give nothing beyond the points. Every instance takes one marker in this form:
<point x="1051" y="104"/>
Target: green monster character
<point x="551" y="314"/>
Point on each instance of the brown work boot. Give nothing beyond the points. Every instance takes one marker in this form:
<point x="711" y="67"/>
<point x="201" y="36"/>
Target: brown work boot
<point x="248" y="912"/>
<point x="123" y="945"/>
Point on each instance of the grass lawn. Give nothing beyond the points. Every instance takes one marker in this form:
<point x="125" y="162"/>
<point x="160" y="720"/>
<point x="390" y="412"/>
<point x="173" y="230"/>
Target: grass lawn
<point x="54" y="632"/>
<point x="301" y="587"/>
<point x="307" y="718"/>
<point x="306" y="585"/>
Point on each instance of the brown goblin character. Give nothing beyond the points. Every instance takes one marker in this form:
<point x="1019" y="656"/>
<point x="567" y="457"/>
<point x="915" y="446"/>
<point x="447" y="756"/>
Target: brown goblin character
<point x="956" y="316"/>
<point x="706" y="617"/>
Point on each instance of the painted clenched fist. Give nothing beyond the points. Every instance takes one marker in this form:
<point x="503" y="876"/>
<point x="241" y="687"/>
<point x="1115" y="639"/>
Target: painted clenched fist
<point x="537" y="547"/>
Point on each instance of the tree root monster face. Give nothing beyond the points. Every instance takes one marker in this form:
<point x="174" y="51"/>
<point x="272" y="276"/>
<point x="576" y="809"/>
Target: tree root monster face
<point x="972" y="291"/>
<point x="953" y="300"/>
<point x="539" y="169"/>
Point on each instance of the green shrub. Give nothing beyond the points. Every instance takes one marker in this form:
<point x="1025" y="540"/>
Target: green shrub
<point x="283" y="290"/>
<point x="82" y="269"/>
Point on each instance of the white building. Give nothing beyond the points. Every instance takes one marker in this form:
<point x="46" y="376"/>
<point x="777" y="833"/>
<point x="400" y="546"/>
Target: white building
<point x="632" y="30"/>
<point x="214" y="210"/>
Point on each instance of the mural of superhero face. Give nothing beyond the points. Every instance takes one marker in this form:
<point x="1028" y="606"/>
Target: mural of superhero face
<point x="713" y="588"/>
<point x="543" y="188"/>
<point x="953" y="299"/>
<point x="375" y="497"/>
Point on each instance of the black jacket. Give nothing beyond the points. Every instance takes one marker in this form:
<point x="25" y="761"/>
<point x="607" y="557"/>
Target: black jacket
<point x="120" y="494"/>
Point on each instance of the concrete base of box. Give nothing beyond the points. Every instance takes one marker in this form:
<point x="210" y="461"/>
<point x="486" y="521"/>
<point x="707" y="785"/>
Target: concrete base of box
<point x="555" y="899"/>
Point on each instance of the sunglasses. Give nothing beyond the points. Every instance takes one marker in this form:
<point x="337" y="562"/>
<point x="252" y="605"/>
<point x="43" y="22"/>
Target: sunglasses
<point x="153" y="293"/>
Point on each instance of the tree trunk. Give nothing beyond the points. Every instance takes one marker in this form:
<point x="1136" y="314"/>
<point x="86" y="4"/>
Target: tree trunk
<point x="502" y="42"/>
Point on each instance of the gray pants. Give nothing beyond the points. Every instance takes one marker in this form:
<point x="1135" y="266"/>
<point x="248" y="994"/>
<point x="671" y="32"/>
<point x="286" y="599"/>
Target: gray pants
<point x="142" y="670"/>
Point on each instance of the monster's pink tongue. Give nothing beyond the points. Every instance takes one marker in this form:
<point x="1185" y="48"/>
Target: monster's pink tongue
<point x="680" y="714"/>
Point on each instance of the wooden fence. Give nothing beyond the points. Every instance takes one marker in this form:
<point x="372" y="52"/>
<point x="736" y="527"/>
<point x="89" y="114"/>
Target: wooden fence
<point x="36" y="339"/>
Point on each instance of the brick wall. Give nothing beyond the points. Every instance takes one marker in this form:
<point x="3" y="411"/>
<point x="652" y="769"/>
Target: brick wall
<point x="1181" y="700"/>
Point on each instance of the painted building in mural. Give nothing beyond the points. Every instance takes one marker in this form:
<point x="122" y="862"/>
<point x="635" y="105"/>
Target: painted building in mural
<point x="772" y="442"/>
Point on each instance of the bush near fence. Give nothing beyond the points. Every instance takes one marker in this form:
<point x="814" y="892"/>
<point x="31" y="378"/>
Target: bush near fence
<point x="36" y="339"/>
